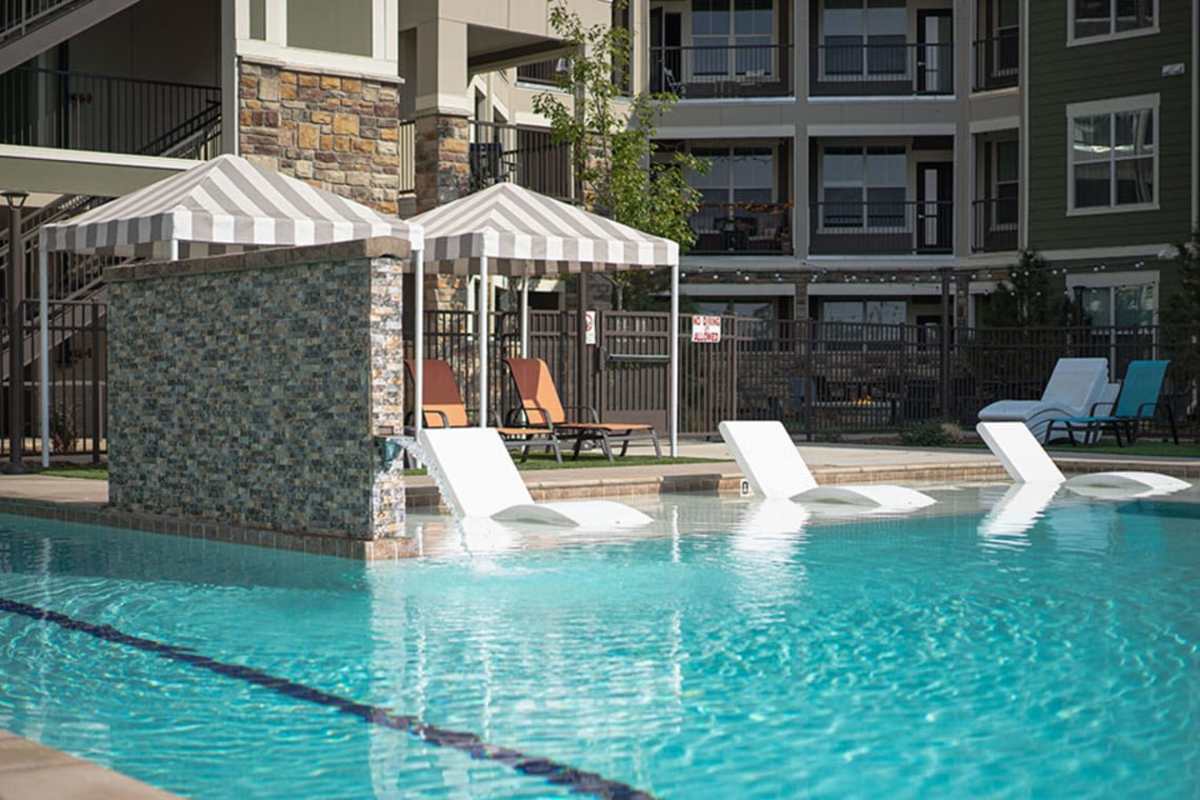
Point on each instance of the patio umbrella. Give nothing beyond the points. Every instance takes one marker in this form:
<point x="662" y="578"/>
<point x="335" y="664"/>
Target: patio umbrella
<point x="225" y="205"/>
<point x="511" y="231"/>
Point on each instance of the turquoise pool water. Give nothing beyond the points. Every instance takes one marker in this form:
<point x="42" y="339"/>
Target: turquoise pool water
<point x="730" y="652"/>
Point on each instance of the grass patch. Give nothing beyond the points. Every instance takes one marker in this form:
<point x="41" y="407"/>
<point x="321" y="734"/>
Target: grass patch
<point x="90" y="472"/>
<point x="1145" y="449"/>
<point x="546" y="461"/>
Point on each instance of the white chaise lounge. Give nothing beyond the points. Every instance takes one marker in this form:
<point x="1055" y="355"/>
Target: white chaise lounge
<point x="1075" y="386"/>
<point x="479" y="480"/>
<point x="773" y="466"/>
<point x="1026" y="461"/>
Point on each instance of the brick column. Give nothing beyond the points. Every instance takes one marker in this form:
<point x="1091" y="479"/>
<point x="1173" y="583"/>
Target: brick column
<point x="443" y="170"/>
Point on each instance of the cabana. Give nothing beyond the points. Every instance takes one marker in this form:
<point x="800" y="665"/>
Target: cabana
<point x="511" y="231"/>
<point x="226" y="205"/>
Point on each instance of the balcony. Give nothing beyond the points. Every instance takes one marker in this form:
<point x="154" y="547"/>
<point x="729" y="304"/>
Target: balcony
<point x="997" y="62"/>
<point x="883" y="70"/>
<point x="995" y="224"/>
<point x="881" y="228"/>
<point x="743" y="229"/>
<point x="525" y="156"/>
<point x="542" y="73"/>
<point x="80" y="111"/>
<point x="722" y="72"/>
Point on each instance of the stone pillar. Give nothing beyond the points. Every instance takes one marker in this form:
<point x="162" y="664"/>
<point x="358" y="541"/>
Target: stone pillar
<point x="443" y="169"/>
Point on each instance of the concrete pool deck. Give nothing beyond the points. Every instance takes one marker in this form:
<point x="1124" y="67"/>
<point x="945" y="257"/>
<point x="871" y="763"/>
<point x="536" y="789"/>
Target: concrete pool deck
<point x="30" y="771"/>
<point x="82" y="500"/>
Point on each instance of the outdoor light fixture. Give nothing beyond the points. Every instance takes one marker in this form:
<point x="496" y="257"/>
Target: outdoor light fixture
<point x="14" y="199"/>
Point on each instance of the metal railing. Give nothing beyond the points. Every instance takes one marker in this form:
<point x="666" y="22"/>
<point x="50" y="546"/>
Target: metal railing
<point x="997" y="61"/>
<point x="731" y="71"/>
<point x="19" y="16"/>
<point x="81" y="111"/>
<point x="881" y="228"/>
<point x="542" y="73"/>
<point x="526" y="156"/>
<point x="995" y="224"/>
<point x="750" y="228"/>
<point x="882" y="69"/>
<point x="406" y="150"/>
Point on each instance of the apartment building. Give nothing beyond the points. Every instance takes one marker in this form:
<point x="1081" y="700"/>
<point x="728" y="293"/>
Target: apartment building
<point x="868" y="156"/>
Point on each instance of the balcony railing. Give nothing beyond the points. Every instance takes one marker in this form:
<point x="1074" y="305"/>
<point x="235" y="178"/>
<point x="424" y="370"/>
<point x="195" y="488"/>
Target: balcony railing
<point x="862" y="70"/>
<point x="79" y="111"/>
<point x="543" y="73"/>
<point x="525" y="156"/>
<point x="995" y="224"/>
<point x="743" y="228"/>
<point x="998" y="61"/>
<point x="738" y="71"/>
<point x="18" y="16"/>
<point x="881" y="228"/>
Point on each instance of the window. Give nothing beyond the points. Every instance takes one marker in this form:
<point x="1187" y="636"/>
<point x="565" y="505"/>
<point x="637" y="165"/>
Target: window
<point x="864" y="37"/>
<point x="744" y="28"/>
<point x="1092" y="19"/>
<point x="864" y="182"/>
<point x="1131" y="306"/>
<point x="258" y="20"/>
<point x="1114" y="157"/>
<point x="342" y="27"/>
<point x="737" y="176"/>
<point x="1007" y="172"/>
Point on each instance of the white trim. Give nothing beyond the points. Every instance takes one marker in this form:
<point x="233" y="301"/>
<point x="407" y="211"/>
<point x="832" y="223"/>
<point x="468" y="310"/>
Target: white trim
<point x="1113" y="35"/>
<point x="988" y="94"/>
<point x="993" y="125"/>
<point x="1109" y="280"/>
<point x="1132" y="251"/>
<point x="885" y="129"/>
<point x="884" y="98"/>
<point x="983" y="287"/>
<point x="95" y="157"/>
<point x="716" y="101"/>
<point x="902" y="289"/>
<point x="729" y="289"/>
<point x="869" y="263"/>
<point x="1111" y="108"/>
<point x="319" y="60"/>
<point x="726" y="132"/>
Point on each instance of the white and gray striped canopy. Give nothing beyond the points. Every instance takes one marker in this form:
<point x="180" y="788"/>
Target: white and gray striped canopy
<point x="522" y="232"/>
<point x="222" y="206"/>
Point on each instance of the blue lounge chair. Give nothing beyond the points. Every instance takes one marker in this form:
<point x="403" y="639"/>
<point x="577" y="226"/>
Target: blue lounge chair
<point x="1138" y="401"/>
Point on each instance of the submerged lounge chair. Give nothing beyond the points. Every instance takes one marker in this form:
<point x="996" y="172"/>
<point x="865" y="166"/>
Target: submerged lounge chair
<point x="444" y="408"/>
<point x="1075" y="386"/>
<point x="1027" y="462"/>
<point x="1138" y="402"/>
<point x="773" y="466"/>
<point x="479" y="480"/>
<point x="542" y="406"/>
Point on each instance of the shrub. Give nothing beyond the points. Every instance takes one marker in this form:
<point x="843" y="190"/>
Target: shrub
<point x="932" y="434"/>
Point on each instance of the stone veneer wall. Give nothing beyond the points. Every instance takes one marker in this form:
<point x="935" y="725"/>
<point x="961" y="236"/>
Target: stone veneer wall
<point x="339" y="133"/>
<point x="249" y="389"/>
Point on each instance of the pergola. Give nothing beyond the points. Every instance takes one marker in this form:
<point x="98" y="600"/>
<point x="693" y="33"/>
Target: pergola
<point x="226" y="205"/>
<point x="511" y="231"/>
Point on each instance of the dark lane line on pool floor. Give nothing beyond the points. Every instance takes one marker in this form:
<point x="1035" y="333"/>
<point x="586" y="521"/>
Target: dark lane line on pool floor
<point x="554" y="772"/>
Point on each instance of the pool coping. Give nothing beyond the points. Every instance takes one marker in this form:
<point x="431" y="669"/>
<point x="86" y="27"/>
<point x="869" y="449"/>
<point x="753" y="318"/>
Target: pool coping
<point x="33" y="771"/>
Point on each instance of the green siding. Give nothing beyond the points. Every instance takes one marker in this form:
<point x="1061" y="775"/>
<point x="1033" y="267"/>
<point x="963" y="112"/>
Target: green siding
<point x="1059" y="75"/>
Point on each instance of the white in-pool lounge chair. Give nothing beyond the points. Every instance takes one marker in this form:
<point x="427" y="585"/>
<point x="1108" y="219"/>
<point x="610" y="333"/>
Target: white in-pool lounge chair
<point x="1075" y="387"/>
<point x="773" y="466"/>
<point x="478" y="480"/>
<point x="1026" y="461"/>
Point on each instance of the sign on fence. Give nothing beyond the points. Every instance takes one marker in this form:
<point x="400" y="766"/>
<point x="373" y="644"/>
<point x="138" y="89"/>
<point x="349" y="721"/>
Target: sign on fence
<point x="706" y="329"/>
<point x="589" y="327"/>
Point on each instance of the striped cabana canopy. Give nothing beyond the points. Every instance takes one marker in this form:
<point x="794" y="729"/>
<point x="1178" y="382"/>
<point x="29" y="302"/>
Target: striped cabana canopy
<point x="521" y="232"/>
<point x="225" y="205"/>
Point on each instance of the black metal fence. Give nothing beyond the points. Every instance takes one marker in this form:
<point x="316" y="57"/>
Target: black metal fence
<point x="881" y="228"/>
<point x="763" y="70"/>
<point x="861" y="69"/>
<point x="526" y="156"/>
<point x="763" y="228"/>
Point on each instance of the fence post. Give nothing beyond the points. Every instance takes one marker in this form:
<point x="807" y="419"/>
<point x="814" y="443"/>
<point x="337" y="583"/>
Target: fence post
<point x="944" y="343"/>
<point x="16" y="333"/>
<point x="733" y="371"/>
<point x="810" y="386"/>
<point x="97" y="428"/>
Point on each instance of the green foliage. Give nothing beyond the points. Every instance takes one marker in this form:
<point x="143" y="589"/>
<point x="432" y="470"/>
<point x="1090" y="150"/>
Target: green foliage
<point x="931" y="434"/>
<point x="619" y="169"/>
<point x="1027" y="299"/>
<point x="1181" y="313"/>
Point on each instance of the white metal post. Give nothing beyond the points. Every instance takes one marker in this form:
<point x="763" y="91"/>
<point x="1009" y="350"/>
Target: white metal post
<point x="673" y="399"/>
<point x="483" y="341"/>
<point x="418" y="260"/>
<point x="525" y="317"/>
<point x="44" y="334"/>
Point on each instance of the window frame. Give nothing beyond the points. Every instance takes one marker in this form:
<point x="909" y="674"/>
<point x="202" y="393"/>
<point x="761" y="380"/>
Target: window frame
<point x="994" y="189"/>
<point x="1111" y="108"/>
<point x="731" y="67"/>
<point x="865" y="74"/>
<point x="1113" y="35"/>
<point x="1113" y="282"/>
<point x="866" y="227"/>
<point x="731" y="187"/>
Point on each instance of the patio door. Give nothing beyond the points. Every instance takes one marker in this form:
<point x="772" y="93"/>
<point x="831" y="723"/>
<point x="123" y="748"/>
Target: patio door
<point x="666" y="55"/>
<point x="935" y="208"/>
<point x="935" y="52"/>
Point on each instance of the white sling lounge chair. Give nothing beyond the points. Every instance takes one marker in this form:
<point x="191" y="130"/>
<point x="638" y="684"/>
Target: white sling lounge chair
<point x="1075" y="386"/>
<point x="774" y="468"/>
<point x="478" y="479"/>
<point x="1027" y="462"/>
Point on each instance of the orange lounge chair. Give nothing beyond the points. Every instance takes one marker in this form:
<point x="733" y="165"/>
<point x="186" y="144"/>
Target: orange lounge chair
<point x="542" y="406"/>
<point x="444" y="408"/>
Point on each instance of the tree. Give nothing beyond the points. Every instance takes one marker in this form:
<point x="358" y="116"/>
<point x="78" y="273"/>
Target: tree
<point x="1026" y="299"/>
<point x="1181" y="314"/>
<point x="621" y="171"/>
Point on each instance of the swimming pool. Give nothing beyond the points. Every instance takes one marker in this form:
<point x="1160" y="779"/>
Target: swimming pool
<point x="734" y="651"/>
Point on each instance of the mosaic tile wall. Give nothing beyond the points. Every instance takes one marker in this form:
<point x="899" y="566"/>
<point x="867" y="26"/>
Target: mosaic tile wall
<point x="250" y="394"/>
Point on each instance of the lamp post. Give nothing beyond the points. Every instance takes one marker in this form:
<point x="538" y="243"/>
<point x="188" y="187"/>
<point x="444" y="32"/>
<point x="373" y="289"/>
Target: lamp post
<point x="15" y="289"/>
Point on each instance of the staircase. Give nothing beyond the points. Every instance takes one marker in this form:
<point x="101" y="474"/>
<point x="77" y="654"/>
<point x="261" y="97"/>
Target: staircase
<point x="30" y="27"/>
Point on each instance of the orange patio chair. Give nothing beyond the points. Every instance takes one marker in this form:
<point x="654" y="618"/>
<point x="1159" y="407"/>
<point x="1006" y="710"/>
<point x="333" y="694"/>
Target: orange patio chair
<point x="541" y="406"/>
<point x="444" y="408"/>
